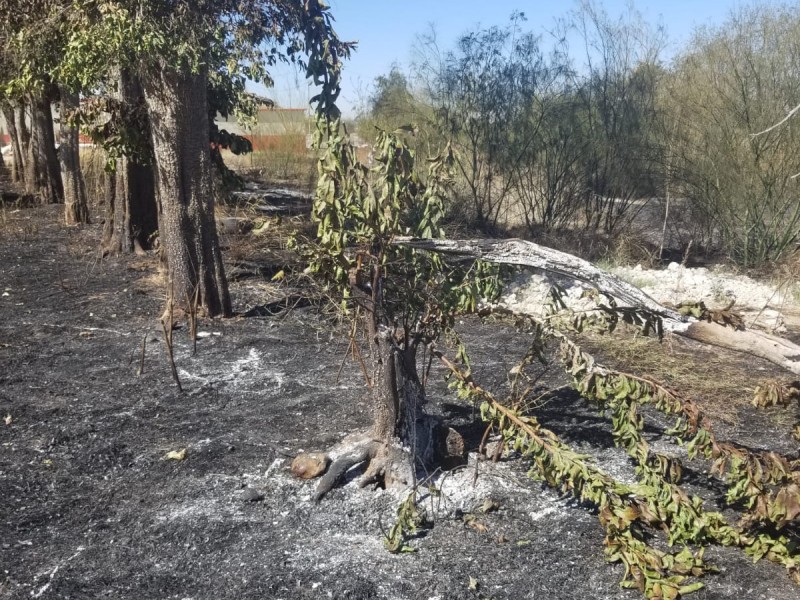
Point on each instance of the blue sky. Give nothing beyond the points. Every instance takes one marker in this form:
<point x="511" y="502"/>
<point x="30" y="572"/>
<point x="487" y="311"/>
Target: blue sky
<point x="386" y="31"/>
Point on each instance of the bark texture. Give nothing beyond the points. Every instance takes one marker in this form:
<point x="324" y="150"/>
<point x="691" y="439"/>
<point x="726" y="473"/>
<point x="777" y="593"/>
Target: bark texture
<point x="131" y="207"/>
<point x="17" y="137"/>
<point x="177" y="105"/>
<point x="42" y="171"/>
<point x="519" y="252"/>
<point x="403" y="439"/>
<point x="76" y="206"/>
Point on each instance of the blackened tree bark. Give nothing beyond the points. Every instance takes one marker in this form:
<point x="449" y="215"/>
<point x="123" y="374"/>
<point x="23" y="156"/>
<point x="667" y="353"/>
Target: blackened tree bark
<point x="18" y="139"/>
<point x="403" y="439"/>
<point x="76" y="207"/>
<point x="177" y="105"/>
<point x="42" y="171"/>
<point x="131" y="208"/>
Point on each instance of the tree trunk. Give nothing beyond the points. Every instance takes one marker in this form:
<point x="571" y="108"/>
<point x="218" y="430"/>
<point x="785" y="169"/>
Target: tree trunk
<point x="42" y="171"/>
<point x="76" y="207"/>
<point x="17" y="150"/>
<point x="131" y="208"/>
<point x="23" y="137"/>
<point x="519" y="252"/>
<point x="403" y="439"/>
<point x="177" y="105"/>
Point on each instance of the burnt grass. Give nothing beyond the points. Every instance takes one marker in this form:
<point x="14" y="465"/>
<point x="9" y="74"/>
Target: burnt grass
<point x="91" y="508"/>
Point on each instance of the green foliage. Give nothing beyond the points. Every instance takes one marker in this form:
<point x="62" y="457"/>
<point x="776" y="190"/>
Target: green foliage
<point x="359" y="211"/>
<point x="120" y="129"/>
<point x="411" y="519"/>
<point x="765" y="483"/>
<point x="540" y="143"/>
<point x="484" y="96"/>
<point x="731" y="83"/>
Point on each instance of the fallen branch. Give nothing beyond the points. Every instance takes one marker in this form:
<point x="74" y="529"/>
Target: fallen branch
<point x="777" y="350"/>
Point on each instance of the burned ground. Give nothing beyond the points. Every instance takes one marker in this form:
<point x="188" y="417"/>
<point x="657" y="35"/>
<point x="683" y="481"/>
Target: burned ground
<point x="91" y="508"/>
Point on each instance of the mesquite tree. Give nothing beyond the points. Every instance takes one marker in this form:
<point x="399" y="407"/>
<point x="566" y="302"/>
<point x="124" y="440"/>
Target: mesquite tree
<point x="406" y="299"/>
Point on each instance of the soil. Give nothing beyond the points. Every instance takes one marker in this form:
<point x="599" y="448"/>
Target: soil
<point x="90" y="507"/>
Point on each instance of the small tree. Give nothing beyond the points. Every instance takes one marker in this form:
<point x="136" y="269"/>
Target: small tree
<point x="483" y="96"/>
<point x="403" y="298"/>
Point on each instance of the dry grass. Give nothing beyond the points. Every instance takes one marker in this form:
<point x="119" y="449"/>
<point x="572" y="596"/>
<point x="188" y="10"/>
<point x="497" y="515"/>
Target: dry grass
<point x="720" y="382"/>
<point x="17" y="223"/>
<point x="280" y="166"/>
<point x="93" y="164"/>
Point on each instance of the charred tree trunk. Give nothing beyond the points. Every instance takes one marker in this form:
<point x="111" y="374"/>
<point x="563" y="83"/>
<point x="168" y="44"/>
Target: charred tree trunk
<point x="131" y="207"/>
<point x="17" y="150"/>
<point x="42" y="171"/>
<point x="403" y="440"/>
<point x="76" y="206"/>
<point x="23" y="137"/>
<point x="177" y="105"/>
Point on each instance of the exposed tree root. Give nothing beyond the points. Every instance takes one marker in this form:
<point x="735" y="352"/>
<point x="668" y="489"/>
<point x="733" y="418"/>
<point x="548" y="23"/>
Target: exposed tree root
<point x="386" y="465"/>
<point x="391" y="465"/>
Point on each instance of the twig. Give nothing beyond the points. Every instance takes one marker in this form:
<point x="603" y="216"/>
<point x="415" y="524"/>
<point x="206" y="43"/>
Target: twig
<point x="168" y="340"/>
<point x="141" y="361"/>
<point x="193" y="318"/>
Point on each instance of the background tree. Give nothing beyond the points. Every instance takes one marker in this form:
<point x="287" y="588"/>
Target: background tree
<point x="733" y="82"/>
<point x="174" y="49"/>
<point x="482" y="96"/>
<point x="616" y="89"/>
<point x="33" y="46"/>
<point x="392" y="104"/>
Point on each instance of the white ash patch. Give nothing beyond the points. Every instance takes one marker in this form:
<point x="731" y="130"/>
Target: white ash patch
<point x="760" y="303"/>
<point x="245" y="371"/>
<point x="461" y="491"/>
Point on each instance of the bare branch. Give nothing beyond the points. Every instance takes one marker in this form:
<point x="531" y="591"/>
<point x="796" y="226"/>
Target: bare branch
<point x="789" y="115"/>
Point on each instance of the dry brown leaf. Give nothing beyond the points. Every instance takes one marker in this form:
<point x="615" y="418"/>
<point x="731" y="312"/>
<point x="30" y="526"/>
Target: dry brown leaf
<point x="477" y="526"/>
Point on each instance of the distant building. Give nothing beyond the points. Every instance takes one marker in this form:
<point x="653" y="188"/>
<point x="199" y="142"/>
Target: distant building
<point x="283" y="129"/>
